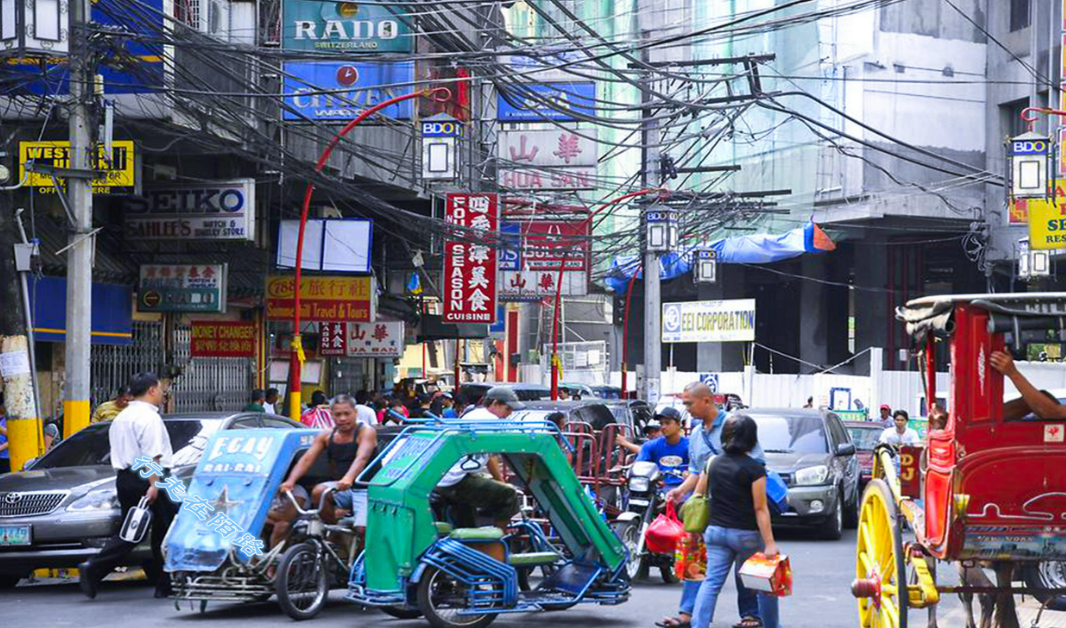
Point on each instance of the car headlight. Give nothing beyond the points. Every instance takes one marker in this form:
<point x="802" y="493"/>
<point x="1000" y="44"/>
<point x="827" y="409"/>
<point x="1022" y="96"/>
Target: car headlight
<point x="104" y="499"/>
<point x="639" y="485"/>
<point x="812" y="475"/>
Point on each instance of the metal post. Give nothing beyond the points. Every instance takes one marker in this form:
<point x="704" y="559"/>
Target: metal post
<point x="652" y="298"/>
<point x="80" y="254"/>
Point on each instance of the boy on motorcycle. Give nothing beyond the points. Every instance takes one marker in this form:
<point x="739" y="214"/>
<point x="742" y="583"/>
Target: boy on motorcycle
<point x="669" y="451"/>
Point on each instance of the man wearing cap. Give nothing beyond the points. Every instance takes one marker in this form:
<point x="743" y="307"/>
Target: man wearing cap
<point x="886" y="415"/>
<point x="669" y="451"/>
<point x="466" y="484"/>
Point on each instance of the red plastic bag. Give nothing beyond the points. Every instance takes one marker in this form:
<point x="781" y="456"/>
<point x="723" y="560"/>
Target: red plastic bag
<point x="664" y="533"/>
<point x="690" y="559"/>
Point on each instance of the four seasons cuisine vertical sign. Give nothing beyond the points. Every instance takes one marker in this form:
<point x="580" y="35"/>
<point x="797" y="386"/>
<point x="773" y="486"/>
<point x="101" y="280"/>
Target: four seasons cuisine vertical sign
<point x="470" y="259"/>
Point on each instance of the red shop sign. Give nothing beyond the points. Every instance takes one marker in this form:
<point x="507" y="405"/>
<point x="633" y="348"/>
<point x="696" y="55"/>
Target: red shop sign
<point x="470" y="263"/>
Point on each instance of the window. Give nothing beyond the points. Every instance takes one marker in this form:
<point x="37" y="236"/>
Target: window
<point x="1019" y="14"/>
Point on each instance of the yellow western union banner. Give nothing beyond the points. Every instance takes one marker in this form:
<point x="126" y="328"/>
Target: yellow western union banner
<point x="117" y="167"/>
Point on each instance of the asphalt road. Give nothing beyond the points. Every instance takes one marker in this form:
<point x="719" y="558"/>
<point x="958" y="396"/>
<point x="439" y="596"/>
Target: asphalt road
<point x="821" y="599"/>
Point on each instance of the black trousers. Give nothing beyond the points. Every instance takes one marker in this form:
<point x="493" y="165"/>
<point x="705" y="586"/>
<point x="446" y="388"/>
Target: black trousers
<point x="131" y="487"/>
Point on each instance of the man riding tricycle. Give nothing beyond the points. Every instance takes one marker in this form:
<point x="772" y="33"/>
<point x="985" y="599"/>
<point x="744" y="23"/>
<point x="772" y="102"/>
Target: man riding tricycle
<point x="466" y="576"/>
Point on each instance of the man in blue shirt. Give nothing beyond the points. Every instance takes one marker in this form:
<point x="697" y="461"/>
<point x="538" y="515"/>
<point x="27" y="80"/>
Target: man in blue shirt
<point x="705" y="440"/>
<point x="670" y="451"/>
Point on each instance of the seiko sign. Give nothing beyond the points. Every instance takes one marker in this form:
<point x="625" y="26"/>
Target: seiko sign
<point x="326" y="26"/>
<point x="213" y="211"/>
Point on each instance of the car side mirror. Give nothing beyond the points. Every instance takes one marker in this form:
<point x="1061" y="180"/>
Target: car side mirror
<point x="845" y="449"/>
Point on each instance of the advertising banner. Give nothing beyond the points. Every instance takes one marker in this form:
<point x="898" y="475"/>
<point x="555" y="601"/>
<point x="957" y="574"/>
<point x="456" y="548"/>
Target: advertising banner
<point x="322" y="298"/>
<point x="222" y="339"/>
<point x="559" y="159"/>
<point x="709" y="321"/>
<point x="340" y="90"/>
<point x="537" y="102"/>
<point x="182" y="288"/>
<point x="534" y="285"/>
<point x="332" y="339"/>
<point x="470" y="264"/>
<point x="375" y="340"/>
<point x="117" y="167"/>
<point x="223" y="210"/>
<point x="328" y="26"/>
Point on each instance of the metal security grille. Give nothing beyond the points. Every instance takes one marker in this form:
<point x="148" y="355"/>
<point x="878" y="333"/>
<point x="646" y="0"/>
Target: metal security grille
<point x="113" y="365"/>
<point x="209" y="384"/>
<point x="30" y="503"/>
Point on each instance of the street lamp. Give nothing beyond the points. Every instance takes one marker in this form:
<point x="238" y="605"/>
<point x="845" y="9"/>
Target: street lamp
<point x="441" y="94"/>
<point x="1030" y="165"/>
<point x="705" y="265"/>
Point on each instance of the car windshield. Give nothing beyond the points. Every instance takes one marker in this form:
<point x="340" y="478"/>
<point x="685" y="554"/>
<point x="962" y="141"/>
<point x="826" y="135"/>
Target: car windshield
<point x="864" y="439"/>
<point x="794" y="434"/>
<point x="533" y="394"/>
<point x="90" y="446"/>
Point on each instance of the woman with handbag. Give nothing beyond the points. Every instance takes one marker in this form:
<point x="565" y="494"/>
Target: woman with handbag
<point x="739" y="524"/>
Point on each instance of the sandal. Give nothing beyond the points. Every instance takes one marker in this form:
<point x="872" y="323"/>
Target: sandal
<point x="673" y="622"/>
<point x="749" y="622"/>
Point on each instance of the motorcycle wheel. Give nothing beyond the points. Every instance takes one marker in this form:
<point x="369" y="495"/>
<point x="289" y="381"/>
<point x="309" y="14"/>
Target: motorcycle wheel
<point x="1047" y="575"/>
<point x="629" y="533"/>
<point x="301" y="582"/>
<point x="400" y="612"/>
<point x="440" y="597"/>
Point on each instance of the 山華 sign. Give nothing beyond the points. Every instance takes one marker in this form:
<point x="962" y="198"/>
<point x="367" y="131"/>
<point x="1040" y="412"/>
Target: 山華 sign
<point x="341" y="90"/>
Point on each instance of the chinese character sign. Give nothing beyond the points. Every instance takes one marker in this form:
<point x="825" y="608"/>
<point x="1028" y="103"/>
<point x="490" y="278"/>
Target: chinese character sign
<point x="222" y="339"/>
<point x="470" y="260"/>
<point x="375" y="340"/>
<point x="332" y="339"/>
<point x="322" y="298"/>
<point x="182" y="288"/>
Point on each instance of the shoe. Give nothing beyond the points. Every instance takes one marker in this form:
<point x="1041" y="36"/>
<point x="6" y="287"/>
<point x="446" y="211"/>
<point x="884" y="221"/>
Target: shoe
<point x="163" y="593"/>
<point x="163" y="589"/>
<point x="85" y="581"/>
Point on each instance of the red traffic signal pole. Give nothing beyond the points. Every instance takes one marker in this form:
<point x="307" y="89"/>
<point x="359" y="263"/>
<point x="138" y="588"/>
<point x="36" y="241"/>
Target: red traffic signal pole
<point x="559" y="290"/>
<point x="441" y="94"/>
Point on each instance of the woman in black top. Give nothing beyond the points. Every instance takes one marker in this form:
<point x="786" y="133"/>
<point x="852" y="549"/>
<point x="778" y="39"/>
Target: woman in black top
<point x="740" y="519"/>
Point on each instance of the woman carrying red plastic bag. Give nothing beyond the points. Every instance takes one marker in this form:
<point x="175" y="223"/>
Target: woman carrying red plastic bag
<point x="665" y="532"/>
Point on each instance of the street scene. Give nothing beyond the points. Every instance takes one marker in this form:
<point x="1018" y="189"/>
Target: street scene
<point x="450" y="313"/>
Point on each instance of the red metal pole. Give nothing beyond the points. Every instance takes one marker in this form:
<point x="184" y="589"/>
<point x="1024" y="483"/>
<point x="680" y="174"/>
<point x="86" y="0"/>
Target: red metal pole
<point x="625" y="332"/>
<point x="930" y="374"/>
<point x="559" y="291"/>
<point x="295" y="360"/>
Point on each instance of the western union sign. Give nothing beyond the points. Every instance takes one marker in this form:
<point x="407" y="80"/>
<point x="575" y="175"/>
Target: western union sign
<point x="117" y="167"/>
<point x="709" y="321"/>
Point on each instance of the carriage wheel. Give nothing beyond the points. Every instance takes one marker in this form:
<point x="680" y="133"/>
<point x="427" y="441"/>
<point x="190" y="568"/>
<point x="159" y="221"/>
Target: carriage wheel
<point x="880" y="567"/>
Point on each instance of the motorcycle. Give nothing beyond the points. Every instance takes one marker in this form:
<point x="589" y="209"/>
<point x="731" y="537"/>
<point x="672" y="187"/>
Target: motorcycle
<point x="646" y="501"/>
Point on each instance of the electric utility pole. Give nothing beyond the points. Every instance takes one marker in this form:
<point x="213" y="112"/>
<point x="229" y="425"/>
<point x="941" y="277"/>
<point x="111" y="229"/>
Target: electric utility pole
<point x="81" y="242"/>
<point x="652" y="297"/>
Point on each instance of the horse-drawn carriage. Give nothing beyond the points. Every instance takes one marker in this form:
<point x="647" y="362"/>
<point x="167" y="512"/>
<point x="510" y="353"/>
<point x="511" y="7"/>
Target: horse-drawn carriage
<point x="988" y="491"/>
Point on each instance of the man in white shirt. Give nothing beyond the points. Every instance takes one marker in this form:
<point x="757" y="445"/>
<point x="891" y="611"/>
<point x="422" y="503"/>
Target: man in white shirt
<point x="899" y="434"/>
<point x="270" y="405"/>
<point x="467" y="487"/>
<point x="365" y="414"/>
<point x="137" y="432"/>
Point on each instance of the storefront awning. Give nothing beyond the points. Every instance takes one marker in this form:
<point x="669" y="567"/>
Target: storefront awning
<point x="112" y="311"/>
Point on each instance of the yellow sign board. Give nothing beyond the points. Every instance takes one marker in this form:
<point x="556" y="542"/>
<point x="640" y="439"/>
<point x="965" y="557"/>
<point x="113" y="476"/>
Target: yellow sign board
<point x="322" y="298"/>
<point x="1047" y="222"/>
<point x="117" y="168"/>
<point x="1022" y="208"/>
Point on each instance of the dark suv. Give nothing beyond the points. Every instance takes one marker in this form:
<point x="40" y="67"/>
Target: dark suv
<point x="815" y="456"/>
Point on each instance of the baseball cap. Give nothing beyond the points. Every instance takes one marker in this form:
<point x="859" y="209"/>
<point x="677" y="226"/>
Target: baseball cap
<point x="503" y="394"/>
<point x="885" y="406"/>
<point x="668" y="413"/>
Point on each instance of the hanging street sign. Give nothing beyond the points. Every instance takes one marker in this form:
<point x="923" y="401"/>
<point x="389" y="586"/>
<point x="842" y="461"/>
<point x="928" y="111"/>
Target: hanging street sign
<point x="223" y="210"/>
<point x="332" y="339"/>
<point x="341" y="90"/>
<point x="534" y="285"/>
<point x="375" y="340"/>
<point x="117" y="168"/>
<point x="1028" y="156"/>
<point x="556" y="159"/>
<point x="530" y="271"/>
<point x="222" y="339"/>
<point x="348" y="27"/>
<point x="322" y="298"/>
<point x="439" y="155"/>
<point x="470" y="276"/>
<point x="182" y="288"/>
<point x="537" y="102"/>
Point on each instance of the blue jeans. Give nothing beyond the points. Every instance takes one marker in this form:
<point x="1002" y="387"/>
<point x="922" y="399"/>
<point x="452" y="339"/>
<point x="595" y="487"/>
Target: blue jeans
<point x="747" y="604"/>
<point x="727" y="549"/>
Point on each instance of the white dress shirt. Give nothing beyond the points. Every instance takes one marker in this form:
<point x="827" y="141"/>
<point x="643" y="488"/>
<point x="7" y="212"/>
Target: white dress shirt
<point x="474" y="463"/>
<point x="139" y="431"/>
<point x="891" y="437"/>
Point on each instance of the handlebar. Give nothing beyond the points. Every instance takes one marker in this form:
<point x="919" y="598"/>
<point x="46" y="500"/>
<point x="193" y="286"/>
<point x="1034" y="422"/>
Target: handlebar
<point x="321" y="502"/>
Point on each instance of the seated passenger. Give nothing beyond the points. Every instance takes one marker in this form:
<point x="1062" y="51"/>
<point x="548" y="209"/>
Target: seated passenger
<point x="1033" y="401"/>
<point x="899" y="434"/>
<point x="466" y="484"/>
<point x="349" y="447"/>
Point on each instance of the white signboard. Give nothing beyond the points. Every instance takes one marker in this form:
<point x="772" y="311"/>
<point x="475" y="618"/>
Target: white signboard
<point x="534" y="285"/>
<point x="709" y="321"/>
<point x="330" y="245"/>
<point x="222" y="210"/>
<point x="375" y="340"/>
<point x="556" y="159"/>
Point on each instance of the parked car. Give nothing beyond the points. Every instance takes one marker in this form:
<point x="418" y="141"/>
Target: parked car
<point x="864" y="435"/>
<point x="67" y="502"/>
<point x="634" y="413"/>
<point x="474" y="391"/>
<point x="582" y="391"/>
<point x="815" y="456"/>
<point x="607" y="392"/>
<point x="594" y="413"/>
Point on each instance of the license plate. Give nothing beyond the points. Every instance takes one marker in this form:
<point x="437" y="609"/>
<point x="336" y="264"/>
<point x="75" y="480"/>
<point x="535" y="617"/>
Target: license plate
<point x="16" y="535"/>
<point x="639" y="502"/>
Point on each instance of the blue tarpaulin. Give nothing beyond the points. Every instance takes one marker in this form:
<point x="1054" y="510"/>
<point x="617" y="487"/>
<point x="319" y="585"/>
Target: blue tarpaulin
<point x="749" y="249"/>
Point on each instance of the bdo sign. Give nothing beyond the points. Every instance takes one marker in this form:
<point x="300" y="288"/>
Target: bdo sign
<point x="1029" y="165"/>
<point x="441" y="128"/>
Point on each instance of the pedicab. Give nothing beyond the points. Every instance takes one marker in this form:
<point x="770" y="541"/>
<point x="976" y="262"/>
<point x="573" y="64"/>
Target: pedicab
<point x="466" y="577"/>
<point x="986" y="492"/>
<point x="209" y="548"/>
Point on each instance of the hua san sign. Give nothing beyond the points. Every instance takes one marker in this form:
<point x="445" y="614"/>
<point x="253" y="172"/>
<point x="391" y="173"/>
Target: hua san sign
<point x="325" y="26"/>
<point x="556" y="159"/>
